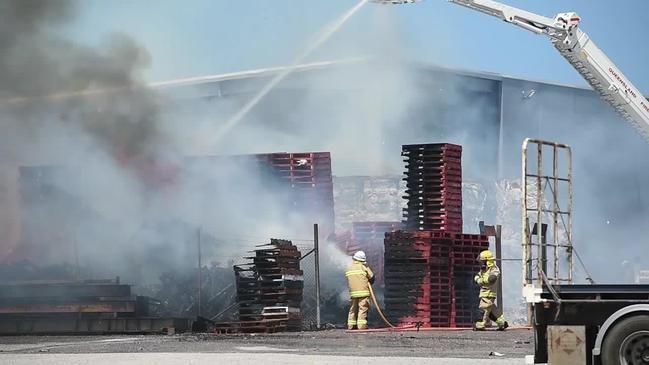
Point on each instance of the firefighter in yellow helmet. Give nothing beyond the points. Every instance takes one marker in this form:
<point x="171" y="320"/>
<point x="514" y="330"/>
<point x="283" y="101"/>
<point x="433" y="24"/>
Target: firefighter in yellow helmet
<point x="359" y="279"/>
<point x="488" y="278"/>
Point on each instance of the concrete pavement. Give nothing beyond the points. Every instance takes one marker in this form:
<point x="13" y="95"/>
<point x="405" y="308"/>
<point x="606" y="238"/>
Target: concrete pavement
<point x="234" y="359"/>
<point x="303" y="348"/>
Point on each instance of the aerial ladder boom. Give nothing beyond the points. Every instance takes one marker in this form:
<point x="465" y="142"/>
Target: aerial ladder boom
<point x="582" y="53"/>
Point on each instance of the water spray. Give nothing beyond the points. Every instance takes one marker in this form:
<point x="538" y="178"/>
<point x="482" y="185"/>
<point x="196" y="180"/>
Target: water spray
<point x="328" y="31"/>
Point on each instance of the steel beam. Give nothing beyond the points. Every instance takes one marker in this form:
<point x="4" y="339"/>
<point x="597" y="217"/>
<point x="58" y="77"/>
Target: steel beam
<point x="64" y="290"/>
<point x="73" y="325"/>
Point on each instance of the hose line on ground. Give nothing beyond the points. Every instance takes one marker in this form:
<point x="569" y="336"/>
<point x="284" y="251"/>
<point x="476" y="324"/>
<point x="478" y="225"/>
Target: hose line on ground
<point x="378" y="308"/>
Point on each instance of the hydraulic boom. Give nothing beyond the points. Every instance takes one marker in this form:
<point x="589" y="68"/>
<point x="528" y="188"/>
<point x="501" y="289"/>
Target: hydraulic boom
<point x="582" y="53"/>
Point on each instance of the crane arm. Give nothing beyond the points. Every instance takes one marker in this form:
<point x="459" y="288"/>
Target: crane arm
<point x="582" y="53"/>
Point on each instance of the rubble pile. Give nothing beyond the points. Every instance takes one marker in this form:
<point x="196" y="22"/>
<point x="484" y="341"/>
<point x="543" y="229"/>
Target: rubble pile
<point x="177" y="292"/>
<point x="367" y="199"/>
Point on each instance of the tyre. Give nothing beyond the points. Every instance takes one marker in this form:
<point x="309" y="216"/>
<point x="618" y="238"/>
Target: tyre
<point x="627" y="342"/>
<point x="540" y="345"/>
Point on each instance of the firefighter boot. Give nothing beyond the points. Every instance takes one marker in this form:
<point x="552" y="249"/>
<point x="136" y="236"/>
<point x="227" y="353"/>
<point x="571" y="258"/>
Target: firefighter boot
<point x="502" y="323"/>
<point x="479" y="326"/>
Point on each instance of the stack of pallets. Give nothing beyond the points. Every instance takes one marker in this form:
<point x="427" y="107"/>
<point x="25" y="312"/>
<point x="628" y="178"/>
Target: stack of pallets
<point x="441" y="291"/>
<point x="300" y="183"/>
<point x="433" y="186"/>
<point x="417" y="279"/>
<point x="274" y="319"/>
<point x="308" y="179"/>
<point x="466" y="248"/>
<point x="344" y="241"/>
<point x="368" y="237"/>
<point x="272" y="279"/>
<point x="429" y="267"/>
<point x="429" y="277"/>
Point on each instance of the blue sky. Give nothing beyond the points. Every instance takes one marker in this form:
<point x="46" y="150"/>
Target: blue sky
<point x="198" y="37"/>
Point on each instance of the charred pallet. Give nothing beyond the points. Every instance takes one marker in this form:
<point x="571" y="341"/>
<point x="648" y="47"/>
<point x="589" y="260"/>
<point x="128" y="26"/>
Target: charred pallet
<point x="269" y="290"/>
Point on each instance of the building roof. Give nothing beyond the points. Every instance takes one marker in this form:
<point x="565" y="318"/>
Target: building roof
<point x="264" y="72"/>
<point x="350" y="61"/>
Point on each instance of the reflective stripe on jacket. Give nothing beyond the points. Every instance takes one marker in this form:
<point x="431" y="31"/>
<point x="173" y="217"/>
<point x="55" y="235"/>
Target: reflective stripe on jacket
<point x="488" y="281"/>
<point x="358" y="277"/>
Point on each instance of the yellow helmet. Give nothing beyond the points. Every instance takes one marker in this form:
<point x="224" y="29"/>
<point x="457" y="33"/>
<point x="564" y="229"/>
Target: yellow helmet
<point x="486" y="255"/>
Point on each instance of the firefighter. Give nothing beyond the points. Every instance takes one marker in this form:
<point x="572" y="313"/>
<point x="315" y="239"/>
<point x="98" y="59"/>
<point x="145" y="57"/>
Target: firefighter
<point x="359" y="279"/>
<point x="488" y="278"/>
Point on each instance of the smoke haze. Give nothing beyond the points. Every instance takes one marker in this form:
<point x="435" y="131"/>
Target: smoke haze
<point x="123" y="198"/>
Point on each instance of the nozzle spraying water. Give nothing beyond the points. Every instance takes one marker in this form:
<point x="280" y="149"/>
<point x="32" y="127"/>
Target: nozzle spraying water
<point x="395" y="2"/>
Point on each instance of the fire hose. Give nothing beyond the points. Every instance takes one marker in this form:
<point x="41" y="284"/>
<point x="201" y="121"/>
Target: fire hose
<point x="378" y="308"/>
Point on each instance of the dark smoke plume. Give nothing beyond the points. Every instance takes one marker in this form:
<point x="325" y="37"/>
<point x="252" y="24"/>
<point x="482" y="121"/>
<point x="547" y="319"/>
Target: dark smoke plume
<point x="46" y="79"/>
<point x="64" y="104"/>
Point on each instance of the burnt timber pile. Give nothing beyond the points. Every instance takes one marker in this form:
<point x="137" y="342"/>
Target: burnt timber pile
<point x="79" y="307"/>
<point x="269" y="291"/>
<point x="429" y="266"/>
<point x="177" y="292"/>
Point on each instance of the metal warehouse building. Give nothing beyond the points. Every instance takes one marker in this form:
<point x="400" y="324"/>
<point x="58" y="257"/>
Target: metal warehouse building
<point x="363" y="111"/>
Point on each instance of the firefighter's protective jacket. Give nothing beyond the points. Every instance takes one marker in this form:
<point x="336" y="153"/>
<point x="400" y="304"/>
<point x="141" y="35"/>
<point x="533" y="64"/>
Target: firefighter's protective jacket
<point x="487" y="278"/>
<point x="359" y="277"/>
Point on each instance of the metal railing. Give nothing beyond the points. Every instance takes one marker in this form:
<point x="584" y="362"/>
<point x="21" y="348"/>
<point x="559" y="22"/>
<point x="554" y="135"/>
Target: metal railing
<point x="546" y="213"/>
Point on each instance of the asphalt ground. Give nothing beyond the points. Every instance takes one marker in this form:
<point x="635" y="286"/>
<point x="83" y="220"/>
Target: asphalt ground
<point x="321" y="347"/>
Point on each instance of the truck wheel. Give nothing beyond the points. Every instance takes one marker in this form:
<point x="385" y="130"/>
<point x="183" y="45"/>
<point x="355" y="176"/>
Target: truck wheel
<point x="540" y="345"/>
<point x="627" y="342"/>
